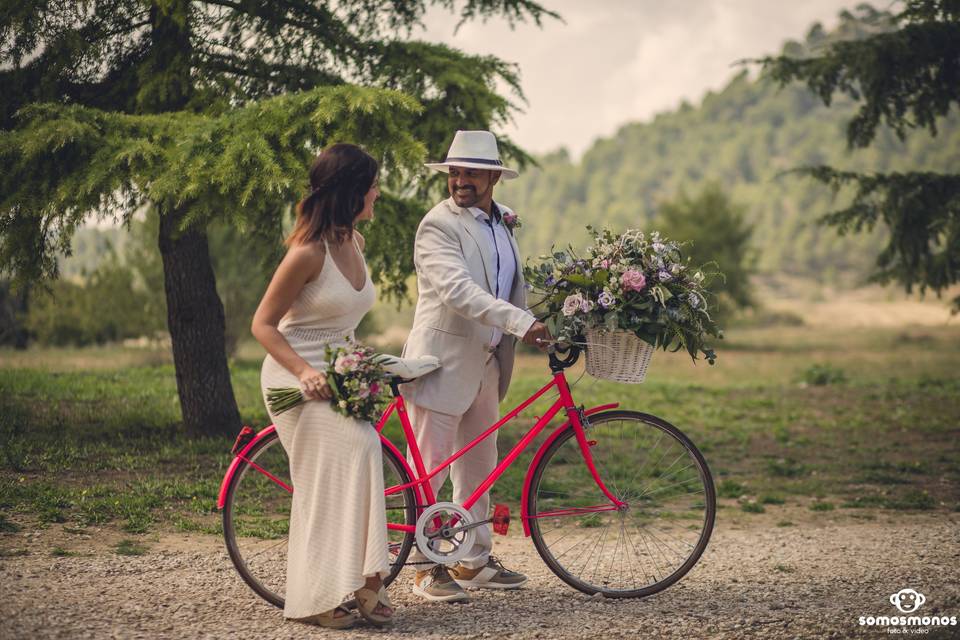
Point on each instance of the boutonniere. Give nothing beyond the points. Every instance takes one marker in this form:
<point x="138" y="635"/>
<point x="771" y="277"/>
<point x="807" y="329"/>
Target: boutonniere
<point x="511" y="221"/>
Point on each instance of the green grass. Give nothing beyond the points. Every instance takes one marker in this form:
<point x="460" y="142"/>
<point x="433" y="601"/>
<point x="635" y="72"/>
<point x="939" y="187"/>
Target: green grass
<point x="93" y="437"/>
<point x="6" y="526"/>
<point x="752" y="507"/>
<point x="130" y="548"/>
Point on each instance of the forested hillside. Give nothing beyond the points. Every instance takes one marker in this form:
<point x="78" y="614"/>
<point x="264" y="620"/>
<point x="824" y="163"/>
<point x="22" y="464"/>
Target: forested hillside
<point x="742" y="138"/>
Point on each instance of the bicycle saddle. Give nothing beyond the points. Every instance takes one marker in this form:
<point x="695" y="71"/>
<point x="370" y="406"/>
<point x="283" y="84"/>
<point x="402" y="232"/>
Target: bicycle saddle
<point x="409" y="368"/>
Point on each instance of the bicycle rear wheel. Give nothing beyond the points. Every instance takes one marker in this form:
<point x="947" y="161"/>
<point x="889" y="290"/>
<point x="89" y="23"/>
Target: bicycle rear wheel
<point x="256" y="518"/>
<point x="640" y="549"/>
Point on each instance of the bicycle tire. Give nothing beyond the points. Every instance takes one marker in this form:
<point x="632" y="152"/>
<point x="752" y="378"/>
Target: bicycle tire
<point x="572" y="450"/>
<point x="255" y="582"/>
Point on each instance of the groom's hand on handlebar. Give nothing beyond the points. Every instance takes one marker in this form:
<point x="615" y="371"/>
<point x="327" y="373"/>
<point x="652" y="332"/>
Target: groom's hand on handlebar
<point x="538" y="331"/>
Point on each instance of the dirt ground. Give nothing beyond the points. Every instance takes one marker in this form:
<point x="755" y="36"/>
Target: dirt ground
<point x="815" y="578"/>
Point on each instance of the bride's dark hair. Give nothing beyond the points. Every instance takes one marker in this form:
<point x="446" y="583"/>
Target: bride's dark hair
<point x="339" y="179"/>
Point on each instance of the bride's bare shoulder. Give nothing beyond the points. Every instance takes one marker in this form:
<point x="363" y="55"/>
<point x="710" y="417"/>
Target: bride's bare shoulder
<point x="306" y="258"/>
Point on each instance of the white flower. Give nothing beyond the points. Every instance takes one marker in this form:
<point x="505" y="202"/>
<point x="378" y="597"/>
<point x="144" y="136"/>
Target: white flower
<point x="345" y="363"/>
<point x="694" y="300"/>
<point x="572" y="304"/>
<point x="343" y="404"/>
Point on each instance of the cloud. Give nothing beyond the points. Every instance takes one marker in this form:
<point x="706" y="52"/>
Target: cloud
<point x="618" y="61"/>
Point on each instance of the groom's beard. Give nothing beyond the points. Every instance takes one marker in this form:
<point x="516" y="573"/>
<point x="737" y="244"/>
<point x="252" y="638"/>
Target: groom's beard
<point x="467" y="196"/>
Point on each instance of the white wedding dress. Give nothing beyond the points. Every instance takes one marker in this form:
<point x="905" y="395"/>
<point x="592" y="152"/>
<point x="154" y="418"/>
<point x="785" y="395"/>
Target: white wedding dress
<point x="338" y="527"/>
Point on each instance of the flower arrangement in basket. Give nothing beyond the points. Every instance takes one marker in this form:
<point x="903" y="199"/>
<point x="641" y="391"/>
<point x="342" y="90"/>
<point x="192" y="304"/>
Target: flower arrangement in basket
<point x="356" y="376"/>
<point x="629" y="294"/>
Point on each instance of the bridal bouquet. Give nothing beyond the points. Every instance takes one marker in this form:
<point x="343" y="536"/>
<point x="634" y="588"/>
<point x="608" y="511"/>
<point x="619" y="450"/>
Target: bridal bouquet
<point x="633" y="282"/>
<point x="356" y="376"/>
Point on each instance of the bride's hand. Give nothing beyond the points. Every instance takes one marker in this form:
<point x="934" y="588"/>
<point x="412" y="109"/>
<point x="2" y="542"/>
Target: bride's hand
<point x="314" y="385"/>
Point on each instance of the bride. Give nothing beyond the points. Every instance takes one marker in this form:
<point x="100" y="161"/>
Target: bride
<point x="318" y="295"/>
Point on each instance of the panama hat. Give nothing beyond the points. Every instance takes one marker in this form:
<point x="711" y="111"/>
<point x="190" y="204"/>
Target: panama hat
<point x="474" y="150"/>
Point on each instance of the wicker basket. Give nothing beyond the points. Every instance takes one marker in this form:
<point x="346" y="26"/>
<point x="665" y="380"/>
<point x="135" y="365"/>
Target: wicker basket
<point x="617" y="355"/>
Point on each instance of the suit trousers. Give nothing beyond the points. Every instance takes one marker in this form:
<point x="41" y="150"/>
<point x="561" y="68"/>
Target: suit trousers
<point x="440" y="435"/>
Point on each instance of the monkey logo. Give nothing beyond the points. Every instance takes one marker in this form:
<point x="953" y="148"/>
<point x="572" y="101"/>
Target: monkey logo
<point x="907" y="600"/>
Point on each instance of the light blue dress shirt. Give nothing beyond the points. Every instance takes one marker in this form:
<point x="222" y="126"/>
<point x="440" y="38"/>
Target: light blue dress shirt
<point x="498" y="237"/>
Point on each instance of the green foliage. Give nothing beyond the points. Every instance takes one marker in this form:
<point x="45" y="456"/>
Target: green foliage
<point x="743" y="137"/>
<point x="112" y="163"/>
<point x="716" y="231"/>
<point x="239" y="117"/>
<point x="108" y="307"/>
<point x="820" y="375"/>
<point x="907" y="77"/>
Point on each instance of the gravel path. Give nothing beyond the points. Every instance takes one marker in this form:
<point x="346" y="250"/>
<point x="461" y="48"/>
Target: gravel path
<point x="755" y="581"/>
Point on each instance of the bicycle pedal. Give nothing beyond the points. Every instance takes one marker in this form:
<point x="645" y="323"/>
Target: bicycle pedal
<point x="501" y="519"/>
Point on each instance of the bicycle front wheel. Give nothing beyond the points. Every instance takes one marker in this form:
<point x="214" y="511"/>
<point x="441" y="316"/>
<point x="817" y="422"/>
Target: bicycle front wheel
<point x="256" y="517"/>
<point x="637" y="550"/>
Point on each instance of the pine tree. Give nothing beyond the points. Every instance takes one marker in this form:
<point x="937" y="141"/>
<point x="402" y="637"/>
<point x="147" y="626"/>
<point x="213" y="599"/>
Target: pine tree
<point x="906" y="78"/>
<point x="715" y="228"/>
<point x="211" y="110"/>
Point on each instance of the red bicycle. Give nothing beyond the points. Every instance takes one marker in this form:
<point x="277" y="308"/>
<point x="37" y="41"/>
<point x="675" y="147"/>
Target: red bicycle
<point x="617" y="502"/>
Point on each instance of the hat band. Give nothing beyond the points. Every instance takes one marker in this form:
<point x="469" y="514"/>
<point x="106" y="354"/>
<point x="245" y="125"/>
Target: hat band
<point x="477" y="160"/>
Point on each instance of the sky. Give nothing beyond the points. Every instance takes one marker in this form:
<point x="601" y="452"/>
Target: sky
<point x="616" y="61"/>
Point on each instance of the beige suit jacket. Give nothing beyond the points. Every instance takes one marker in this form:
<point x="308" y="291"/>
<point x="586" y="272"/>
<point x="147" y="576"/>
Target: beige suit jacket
<point x="457" y="309"/>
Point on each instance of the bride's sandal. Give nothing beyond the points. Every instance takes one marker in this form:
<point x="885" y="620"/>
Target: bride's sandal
<point x="331" y="620"/>
<point x="367" y="602"/>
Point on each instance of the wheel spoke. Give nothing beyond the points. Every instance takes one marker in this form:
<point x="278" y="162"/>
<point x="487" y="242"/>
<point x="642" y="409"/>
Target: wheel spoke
<point x="654" y="539"/>
<point x="256" y="518"/>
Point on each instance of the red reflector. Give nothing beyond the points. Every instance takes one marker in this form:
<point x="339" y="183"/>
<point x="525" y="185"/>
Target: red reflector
<point x="592" y="443"/>
<point x="243" y="439"/>
<point x="501" y="519"/>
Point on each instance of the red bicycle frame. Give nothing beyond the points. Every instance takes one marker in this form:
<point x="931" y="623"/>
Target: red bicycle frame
<point x="421" y="481"/>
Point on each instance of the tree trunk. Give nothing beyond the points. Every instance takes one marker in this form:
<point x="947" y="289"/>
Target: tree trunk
<point x="195" y="319"/>
<point x="194" y="310"/>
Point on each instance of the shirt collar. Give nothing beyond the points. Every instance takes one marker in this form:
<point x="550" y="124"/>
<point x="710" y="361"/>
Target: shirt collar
<point x="479" y="214"/>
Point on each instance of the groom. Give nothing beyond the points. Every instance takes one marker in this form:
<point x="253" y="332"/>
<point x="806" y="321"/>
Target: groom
<point x="470" y="311"/>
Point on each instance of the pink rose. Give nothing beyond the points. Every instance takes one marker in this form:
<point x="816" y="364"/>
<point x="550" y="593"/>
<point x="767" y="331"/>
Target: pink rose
<point x="572" y="304"/>
<point x="345" y="363"/>
<point x="633" y="280"/>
